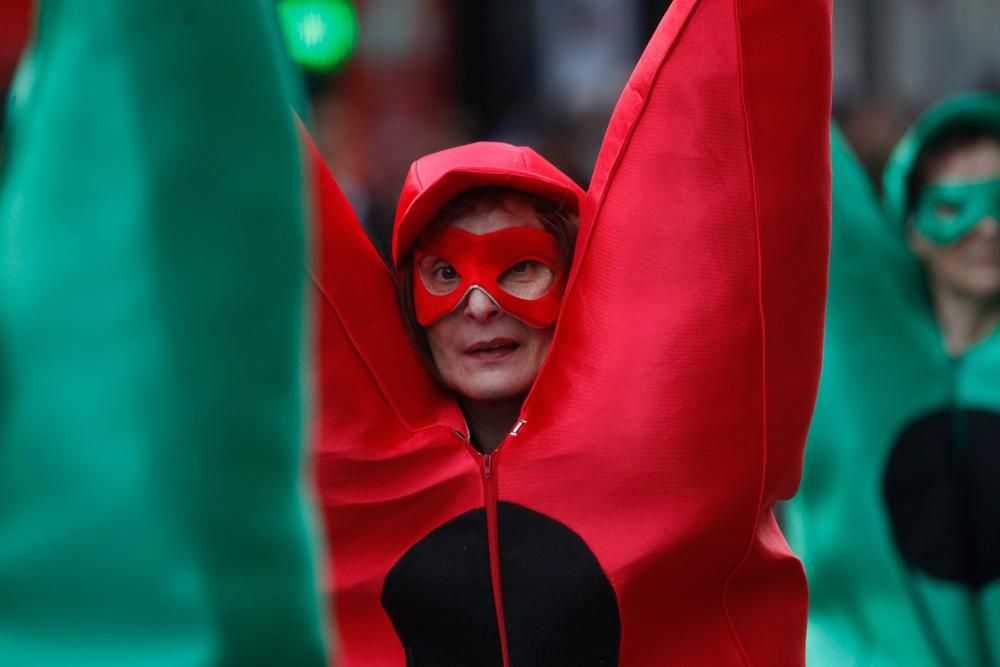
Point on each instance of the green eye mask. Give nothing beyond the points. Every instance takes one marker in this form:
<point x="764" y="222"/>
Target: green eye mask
<point x="946" y="213"/>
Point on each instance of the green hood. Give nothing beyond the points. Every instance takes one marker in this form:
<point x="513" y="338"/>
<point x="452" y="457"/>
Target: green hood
<point x="971" y="110"/>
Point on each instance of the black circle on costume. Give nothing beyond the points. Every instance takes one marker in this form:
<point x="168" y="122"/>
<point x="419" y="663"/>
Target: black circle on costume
<point x="559" y="606"/>
<point x="941" y="487"/>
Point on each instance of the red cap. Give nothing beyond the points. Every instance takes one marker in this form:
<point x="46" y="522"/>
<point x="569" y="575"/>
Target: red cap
<point x="436" y="179"/>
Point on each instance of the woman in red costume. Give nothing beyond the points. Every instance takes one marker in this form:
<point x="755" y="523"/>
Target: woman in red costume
<point x="576" y="463"/>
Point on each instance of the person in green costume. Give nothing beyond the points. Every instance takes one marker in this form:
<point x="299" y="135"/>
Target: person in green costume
<point x="898" y="515"/>
<point x="152" y="510"/>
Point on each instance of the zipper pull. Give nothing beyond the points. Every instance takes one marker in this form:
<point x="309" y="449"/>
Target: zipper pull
<point x="488" y="465"/>
<point x="517" y="427"/>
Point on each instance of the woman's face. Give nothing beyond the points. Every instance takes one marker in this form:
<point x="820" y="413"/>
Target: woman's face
<point x="971" y="265"/>
<point x="481" y="351"/>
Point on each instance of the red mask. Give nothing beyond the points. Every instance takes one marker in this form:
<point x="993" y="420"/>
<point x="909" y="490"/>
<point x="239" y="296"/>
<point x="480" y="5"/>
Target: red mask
<point x="489" y="262"/>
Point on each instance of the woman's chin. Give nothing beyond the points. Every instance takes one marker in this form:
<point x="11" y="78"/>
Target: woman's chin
<point x="492" y="387"/>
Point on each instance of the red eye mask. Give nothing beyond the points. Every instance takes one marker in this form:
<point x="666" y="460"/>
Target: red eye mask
<point x="485" y="262"/>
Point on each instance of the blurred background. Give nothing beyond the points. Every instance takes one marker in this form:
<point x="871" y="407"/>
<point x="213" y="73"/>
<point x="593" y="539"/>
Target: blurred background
<point x="391" y="80"/>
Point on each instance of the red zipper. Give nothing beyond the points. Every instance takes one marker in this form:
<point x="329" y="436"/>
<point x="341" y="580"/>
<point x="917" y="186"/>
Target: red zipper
<point x="487" y="467"/>
<point x="488" y="464"/>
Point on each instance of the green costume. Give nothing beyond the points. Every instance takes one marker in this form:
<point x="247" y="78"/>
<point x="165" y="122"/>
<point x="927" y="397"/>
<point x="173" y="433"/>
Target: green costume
<point x="898" y="516"/>
<point x="151" y="245"/>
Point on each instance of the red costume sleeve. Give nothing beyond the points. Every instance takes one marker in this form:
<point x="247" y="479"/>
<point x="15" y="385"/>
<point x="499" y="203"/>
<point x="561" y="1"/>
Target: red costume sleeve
<point x="670" y="414"/>
<point x="690" y="340"/>
<point x="376" y="407"/>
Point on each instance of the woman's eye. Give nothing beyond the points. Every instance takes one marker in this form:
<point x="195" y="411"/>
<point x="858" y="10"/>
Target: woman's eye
<point x="438" y="276"/>
<point x="525" y="269"/>
<point x="527" y="279"/>
<point x="446" y="272"/>
<point x="946" y="211"/>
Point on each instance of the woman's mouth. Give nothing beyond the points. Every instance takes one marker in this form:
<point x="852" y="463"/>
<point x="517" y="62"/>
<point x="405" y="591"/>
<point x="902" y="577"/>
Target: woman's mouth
<point x="496" y="349"/>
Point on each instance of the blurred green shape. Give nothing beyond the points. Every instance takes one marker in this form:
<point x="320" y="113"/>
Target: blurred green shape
<point x="152" y="509"/>
<point x="320" y="34"/>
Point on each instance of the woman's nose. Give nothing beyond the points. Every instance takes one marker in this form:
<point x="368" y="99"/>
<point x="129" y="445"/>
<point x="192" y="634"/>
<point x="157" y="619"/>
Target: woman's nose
<point x="480" y="306"/>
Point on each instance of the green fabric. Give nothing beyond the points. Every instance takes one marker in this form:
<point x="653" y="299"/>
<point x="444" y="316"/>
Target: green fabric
<point x="151" y="233"/>
<point x="947" y="212"/>
<point x="884" y="366"/>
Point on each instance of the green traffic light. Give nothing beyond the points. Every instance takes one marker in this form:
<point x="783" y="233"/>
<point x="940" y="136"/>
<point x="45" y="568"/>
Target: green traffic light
<point x="320" y="34"/>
